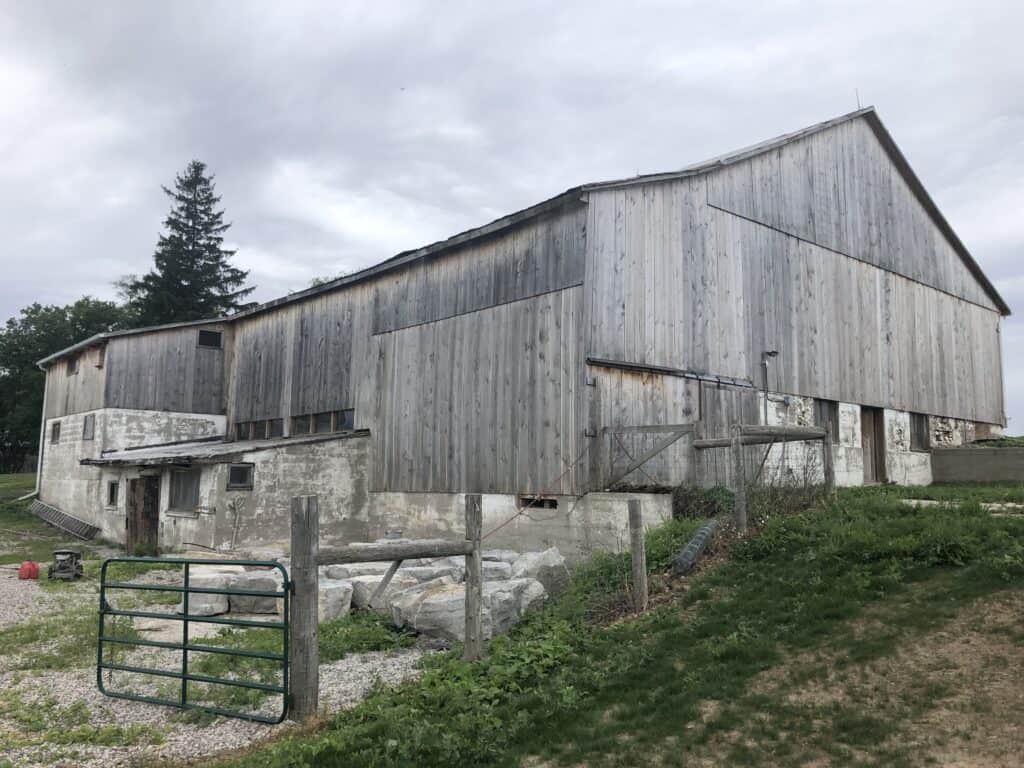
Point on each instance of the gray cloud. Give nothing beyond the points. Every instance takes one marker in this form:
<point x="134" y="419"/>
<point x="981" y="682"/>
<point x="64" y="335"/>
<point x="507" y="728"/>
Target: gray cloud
<point x="343" y="133"/>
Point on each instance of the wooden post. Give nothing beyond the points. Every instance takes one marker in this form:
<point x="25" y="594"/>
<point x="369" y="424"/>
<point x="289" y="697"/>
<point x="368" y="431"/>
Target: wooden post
<point x="638" y="555"/>
<point x="740" y="503"/>
<point x="473" y="647"/>
<point x="304" y="627"/>
<point x="827" y="461"/>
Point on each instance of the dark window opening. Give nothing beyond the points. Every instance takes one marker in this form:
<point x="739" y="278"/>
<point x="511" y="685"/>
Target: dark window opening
<point x="276" y="428"/>
<point x="55" y="432"/>
<point x="826" y="413"/>
<point x="185" y="489"/>
<point x="240" y="477"/>
<point x="89" y="426"/>
<point x="72" y="365"/>
<point x="300" y="425"/>
<point x="920" y="434"/>
<point x="211" y="339"/>
<point x="322" y="423"/>
<point x="344" y="420"/>
<point x="113" y="486"/>
<point x="537" y="502"/>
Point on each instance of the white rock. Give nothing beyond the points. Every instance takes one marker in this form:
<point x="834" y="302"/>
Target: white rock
<point x="205" y="604"/>
<point x="356" y="569"/>
<point x="496" y="570"/>
<point x="256" y="581"/>
<point x="334" y="600"/>
<point x="500" y="555"/>
<point x="363" y="588"/>
<point x="548" y="567"/>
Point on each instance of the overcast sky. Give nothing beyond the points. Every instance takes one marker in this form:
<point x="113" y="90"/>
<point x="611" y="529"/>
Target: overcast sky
<point x="342" y="133"/>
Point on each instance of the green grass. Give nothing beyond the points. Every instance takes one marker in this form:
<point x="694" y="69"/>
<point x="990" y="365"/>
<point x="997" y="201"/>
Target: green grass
<point x="683" y="679"/>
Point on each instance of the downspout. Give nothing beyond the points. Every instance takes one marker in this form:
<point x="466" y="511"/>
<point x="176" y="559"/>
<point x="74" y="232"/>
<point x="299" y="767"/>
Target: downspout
<point x="42" y="433"/>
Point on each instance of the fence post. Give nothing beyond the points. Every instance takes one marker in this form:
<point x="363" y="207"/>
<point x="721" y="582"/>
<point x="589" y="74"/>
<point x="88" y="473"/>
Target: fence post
<point x="304" y="627"/>
<point x="740" y="503"/>
<point x="827" y="461"/>
<point x="638" y="555"/>
<point x="472" y="648"/>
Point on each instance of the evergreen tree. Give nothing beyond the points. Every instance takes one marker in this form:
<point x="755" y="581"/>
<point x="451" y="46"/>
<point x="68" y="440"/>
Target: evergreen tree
<point x="192" y="277"/>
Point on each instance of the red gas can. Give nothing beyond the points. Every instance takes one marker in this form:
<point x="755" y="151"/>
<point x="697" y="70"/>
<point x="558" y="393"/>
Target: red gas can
<point x="29" y="570"/>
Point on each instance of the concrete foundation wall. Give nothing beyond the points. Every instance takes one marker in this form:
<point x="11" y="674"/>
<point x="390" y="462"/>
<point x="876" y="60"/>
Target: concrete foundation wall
<point x="978" y="465"/>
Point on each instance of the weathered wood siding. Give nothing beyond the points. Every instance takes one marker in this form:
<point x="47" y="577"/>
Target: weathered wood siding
<point x="350" y="348"/>
<point x="483" y="401"/>
<point x="166" y="371"/>
<point x="674" y="281"/>
<point x="80" y="392"/>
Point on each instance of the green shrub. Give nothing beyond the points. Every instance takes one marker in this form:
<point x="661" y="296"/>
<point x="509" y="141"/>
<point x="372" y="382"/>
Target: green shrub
<point x="692" y="503"/>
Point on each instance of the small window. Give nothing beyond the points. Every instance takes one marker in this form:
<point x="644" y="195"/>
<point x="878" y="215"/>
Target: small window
<point x="72" y="365"/>
<point x="322" y="423"/>
<point x="300" y="425"/>
<point x="826" y="413"/>
<point x="55" y="432"/>
<point x="920" y="434"/>
<point x="113" y="487"/>
<point x="210" y="339"/>
<point x="537" y="502"/>
<point x="185" y="489"/>
<point x="240" y="477"/>
<point x="275" y="428"/>
<point x="89" y="426"/>
<point x="344" y="420"/>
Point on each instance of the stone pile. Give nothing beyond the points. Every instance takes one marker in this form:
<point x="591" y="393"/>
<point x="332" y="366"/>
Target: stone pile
<point x="425" y="596"/>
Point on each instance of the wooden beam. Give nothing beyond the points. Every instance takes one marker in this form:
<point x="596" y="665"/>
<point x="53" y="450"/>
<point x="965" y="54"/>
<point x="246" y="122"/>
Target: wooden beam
<point x="398" y="550"/>
<point x="304" y="624"/>
<point x="472" y="648"/>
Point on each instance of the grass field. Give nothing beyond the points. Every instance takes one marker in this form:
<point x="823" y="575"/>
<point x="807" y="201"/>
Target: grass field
<point x="861" y="632"/>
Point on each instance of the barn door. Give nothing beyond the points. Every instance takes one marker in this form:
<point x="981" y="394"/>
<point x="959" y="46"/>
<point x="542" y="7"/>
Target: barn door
<point x="872" y="426"/>
<point x="143" y="515"/>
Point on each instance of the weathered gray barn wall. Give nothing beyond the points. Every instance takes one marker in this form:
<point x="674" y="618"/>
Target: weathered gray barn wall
<point x="78" y="392"/>
<point x="674" y="281"/>
<point x="484" y="335"/>
<point x="978" y="465"/>
<point x="166" y="371"/>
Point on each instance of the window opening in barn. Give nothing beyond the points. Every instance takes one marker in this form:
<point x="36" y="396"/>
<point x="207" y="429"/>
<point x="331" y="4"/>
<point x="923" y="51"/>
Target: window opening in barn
<point x="113" y="488"/>
<point x="537" y="502"/>
<point x="322" y="423"/>
<point x="55" y="432"/>
<point x="185" y="489"/>
<point x="827" y="414"/>
<point x="276" y="428"/>
<point x="300" y="425"/>
<point x="210" y="339"/>
<point x="240" y="477"/>
<point x="89" y="426"/>
<point x="920" y="436"/>
<point x="344" y="420"/>
<point x="72" y="365"/>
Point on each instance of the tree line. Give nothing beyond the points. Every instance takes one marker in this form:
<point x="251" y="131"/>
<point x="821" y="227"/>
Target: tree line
<point x="192" y="278"/>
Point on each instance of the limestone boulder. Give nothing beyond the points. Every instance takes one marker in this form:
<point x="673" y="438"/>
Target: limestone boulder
<point x="496" y="570"/>
<point x="363" y="588"/>
<point x="548" y="567"/>
<point x="203" y="603"/>
<point x="254" y="581"/>
<point x="334" y="600"/>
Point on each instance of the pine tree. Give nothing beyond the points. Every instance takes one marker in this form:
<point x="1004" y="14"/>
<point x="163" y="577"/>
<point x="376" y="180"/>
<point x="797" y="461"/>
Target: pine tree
<point x="192" y="277"/>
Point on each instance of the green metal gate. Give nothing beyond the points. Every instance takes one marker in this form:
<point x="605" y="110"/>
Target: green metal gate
<point x="184" y="645"/>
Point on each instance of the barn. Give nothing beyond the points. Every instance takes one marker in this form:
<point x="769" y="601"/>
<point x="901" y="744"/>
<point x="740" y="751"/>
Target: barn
<point x="557" y="360"/>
